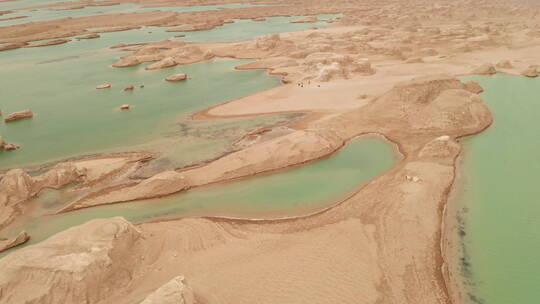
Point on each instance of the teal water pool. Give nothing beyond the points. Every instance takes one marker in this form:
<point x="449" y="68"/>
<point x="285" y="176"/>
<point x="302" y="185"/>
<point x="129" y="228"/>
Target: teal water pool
<point x="501" y="235"/>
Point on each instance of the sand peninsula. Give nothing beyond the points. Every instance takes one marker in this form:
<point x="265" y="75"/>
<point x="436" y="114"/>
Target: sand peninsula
<point x="385" y="68"/>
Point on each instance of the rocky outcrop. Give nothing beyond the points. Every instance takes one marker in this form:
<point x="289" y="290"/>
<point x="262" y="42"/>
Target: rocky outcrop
<point x="269" y="42"/>
<point x="327" y="66"/>
<point x="485" y="69"/>
<point x="126" y="61"/>
<point x="16" y="186"/>
<point x="83" y="264"/>
<point x="89" y="36"/>
<point x="174" y="292"/>
<point x="531" y="71"/>
<point x="309" y="19"/>
<point x="164" y="63"/>
<point x="105" y="85"/>
<point x="59" y="176"/>
<point x="19" y="115"/>
<point x="473" y="87"/>
<point x="504" y="64"/>
<point x="7" y="146"/>
<point x="176" y="77"/>
<point x="10" y="147"/>
<point x="50" y="42"/>
<point x="6" y="244"/>
<point x="11" y="46"/>
<point x="201" y="26"/>
<point x="161" y="184"/>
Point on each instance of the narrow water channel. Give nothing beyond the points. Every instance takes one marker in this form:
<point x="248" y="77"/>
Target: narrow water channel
<point x="296" y="191"/>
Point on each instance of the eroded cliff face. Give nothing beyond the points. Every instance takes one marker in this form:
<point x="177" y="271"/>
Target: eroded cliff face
<point x="83" y="264"/>
<point x="16" y="186"/>
<point x="176" y="291"/>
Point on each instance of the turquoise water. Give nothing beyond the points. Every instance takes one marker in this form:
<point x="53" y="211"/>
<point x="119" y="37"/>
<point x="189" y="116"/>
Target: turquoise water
<point x="502" y="196"/>
<point x="244" y="29"/>
<point x="59" y="86"/>
<point x="72" y="117"/>
<point x="298" y="190"/>
<point x="45" y="14"/>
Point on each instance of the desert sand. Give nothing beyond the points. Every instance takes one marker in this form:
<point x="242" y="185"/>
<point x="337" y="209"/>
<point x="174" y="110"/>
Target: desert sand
<point x="386" y="68"/>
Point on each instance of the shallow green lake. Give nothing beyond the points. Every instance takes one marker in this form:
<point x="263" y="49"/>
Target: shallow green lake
<point x="502" y="196"/>
<point x="52" y="13"/>
<point x="298" y="190"/>
<point x="72" y="117"/>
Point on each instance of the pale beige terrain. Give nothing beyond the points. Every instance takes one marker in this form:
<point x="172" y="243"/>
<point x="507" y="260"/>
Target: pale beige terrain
<point x="387" y="68"/>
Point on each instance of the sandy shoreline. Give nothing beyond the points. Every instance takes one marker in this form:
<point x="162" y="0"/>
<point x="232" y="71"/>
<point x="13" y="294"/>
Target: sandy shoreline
<point x="449" y="241"/>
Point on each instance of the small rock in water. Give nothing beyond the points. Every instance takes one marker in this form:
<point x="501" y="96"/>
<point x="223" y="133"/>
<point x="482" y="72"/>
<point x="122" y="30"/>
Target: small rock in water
<point x="176" y="77"/>
<point x="105" y="85"/>
<point x="125" y="107"/>
<point x="19" y="115"/>
<point x="474" y="87"/>
<point x="141" y="86"/>
<point x="130" y="88"/>
<point x="6" y="244"/>
<point x="9" y="147"/>
<point x="89" y="36"/>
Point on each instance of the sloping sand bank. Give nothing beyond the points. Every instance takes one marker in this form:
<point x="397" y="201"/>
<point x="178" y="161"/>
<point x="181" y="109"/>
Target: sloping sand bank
<point x="379" y="246"/>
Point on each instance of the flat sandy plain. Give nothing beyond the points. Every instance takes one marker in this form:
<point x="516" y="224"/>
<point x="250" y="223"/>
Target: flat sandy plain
<point x="385" y="67"/>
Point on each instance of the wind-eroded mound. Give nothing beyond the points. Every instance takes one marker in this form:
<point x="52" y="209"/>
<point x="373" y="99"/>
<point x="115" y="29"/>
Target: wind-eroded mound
<point x="173" y="292"/>
<point x="16" y="186"/>
<point x="277" y="153"/>
<point x="83" y="264"/>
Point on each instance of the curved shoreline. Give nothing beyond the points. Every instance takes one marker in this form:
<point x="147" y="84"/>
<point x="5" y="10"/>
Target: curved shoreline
<point x="452" y="287"/>
<point x="330" y="206"/>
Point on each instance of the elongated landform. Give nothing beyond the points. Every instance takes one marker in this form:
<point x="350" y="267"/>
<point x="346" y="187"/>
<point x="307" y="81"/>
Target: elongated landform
<point x="388" y="68"/>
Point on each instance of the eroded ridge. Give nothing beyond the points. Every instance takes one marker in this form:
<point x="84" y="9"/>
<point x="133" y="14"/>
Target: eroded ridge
<point x="379" y="246"/>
